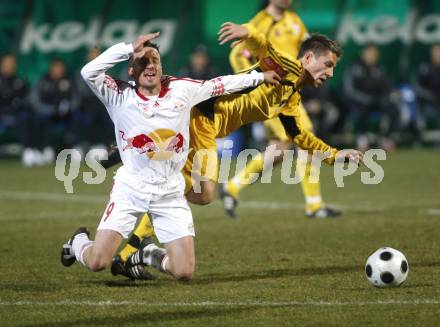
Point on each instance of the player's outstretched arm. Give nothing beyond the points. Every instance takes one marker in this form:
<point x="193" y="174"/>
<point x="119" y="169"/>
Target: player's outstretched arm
<point x="115" y="54"/>
<point x="307" y="140"/>
<point x="229" y="84"/>
<point x="94" y="73"/>
<point x="256" y="42"/>
<point x="259" y="47"/>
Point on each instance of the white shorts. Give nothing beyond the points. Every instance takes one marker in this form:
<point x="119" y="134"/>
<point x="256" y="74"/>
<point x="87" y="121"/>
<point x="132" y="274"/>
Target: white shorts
<point x="170" y="214"/>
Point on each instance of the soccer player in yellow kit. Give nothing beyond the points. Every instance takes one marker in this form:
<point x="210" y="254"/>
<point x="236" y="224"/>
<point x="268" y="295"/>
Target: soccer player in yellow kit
<point x="285" y="31"/>
<point x="220" y="117"/>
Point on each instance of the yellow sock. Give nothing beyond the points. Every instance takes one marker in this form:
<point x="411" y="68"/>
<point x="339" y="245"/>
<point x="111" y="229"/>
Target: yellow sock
<point x="143" y="229"/>
<point x="243" y="178"/>
<point x="312" y="191"/>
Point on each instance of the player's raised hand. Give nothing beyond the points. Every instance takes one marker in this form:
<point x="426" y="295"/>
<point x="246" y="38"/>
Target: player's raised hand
<point x="139" y="43"/>
<point x="351" y="155"/>
<point x="230" y="31"/>
<point x="271" y="77"/>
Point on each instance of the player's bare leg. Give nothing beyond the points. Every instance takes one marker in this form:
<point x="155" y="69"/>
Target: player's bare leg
<point x="100" y="254"/>
<point x="181" y="258"/>
<point x="95" y="255"/>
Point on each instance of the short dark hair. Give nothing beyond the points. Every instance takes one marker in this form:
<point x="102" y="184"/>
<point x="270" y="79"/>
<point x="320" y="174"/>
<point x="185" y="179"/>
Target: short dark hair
<point x="146" y="44"/>
<point x="319" y="44"/>
<point x="152" y="45"/>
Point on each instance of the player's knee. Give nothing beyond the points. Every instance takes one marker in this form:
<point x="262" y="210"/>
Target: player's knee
<point x="184" y="273"/>
<point x="184" y="276"/>
<point x="97" y="264"/>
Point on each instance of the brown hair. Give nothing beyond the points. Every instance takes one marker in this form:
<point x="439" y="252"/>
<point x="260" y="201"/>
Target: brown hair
<point x="319" y="44"/>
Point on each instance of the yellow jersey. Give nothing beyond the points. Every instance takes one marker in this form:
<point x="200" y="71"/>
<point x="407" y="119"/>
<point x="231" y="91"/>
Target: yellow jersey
<point x="288" y="67"/>
<point x="285" y="35"/>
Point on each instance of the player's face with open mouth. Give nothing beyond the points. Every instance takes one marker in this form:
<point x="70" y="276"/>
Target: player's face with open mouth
<point x="147" y="68"/>
<point x="321" y="67"/>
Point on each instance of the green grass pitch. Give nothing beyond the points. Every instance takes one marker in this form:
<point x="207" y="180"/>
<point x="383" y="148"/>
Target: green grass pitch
<point x="271" y="267"/>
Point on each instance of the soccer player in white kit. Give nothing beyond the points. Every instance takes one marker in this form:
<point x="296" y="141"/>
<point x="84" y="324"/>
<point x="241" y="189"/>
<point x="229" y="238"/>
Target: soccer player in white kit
<point x="152" y="131"/>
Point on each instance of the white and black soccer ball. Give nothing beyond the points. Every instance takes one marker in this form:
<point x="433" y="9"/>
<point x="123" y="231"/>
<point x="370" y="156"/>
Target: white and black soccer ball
<point x="387" y="267"/>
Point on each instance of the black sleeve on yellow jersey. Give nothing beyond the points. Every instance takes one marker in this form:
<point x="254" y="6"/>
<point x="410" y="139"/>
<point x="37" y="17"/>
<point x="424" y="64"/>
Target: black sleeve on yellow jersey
<point x="289" y="124"/>
<point x="305" y="139"/>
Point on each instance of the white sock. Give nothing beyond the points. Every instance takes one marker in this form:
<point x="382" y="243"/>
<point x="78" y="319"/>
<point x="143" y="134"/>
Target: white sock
<point x="80" y="243"/>
<point x="164" y="263"/>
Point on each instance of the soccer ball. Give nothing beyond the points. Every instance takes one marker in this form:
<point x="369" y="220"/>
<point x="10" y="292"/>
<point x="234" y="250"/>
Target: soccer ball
<point x="386" y="267"/>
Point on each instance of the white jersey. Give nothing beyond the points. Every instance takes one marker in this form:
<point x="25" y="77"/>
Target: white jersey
<point x="152" y="133"/>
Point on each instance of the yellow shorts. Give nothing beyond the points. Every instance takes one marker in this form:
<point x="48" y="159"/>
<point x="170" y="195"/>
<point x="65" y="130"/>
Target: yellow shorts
<point x="275" y="130"/>
<point x="202" y="158"/>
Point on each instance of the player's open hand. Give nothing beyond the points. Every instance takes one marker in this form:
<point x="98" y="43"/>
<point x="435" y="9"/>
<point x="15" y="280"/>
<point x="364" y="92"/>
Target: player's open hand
<point x="271" y="77"/>
<point x="230" y="31"/>
<point x="350" y="155"/>
<point x="141" y="41"/>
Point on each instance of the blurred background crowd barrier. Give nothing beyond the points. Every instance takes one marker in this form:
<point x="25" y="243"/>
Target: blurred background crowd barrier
<point x="385" y="91"/>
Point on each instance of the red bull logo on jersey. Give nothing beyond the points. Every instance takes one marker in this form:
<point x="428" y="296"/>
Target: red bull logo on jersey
<point x="141" y="142"/>
<point x="160" y="144"/>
